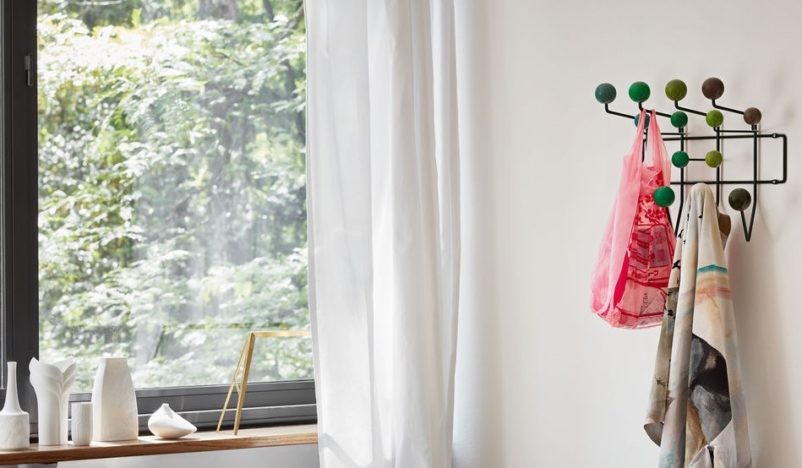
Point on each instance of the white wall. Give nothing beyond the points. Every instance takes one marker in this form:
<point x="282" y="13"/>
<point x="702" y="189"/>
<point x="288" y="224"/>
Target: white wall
<point x="292" y="456"/>
<point x="541" y="381"/>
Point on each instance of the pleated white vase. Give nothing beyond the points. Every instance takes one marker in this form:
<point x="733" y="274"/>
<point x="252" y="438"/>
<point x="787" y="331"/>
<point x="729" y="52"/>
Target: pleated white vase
<point x="52" y="384"/>
<point x="81" y="428"/>
<point x="15" y="429"/>
<point x="114" y="410"/>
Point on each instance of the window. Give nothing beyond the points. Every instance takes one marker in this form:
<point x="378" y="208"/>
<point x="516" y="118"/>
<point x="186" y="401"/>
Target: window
<point x="169" y="170"/>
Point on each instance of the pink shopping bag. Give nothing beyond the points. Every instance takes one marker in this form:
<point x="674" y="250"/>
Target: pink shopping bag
<point x="631" y="274"/>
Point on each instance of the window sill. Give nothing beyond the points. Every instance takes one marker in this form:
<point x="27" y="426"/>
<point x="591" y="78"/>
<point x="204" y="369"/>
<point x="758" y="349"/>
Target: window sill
<point x="204" y="441"/>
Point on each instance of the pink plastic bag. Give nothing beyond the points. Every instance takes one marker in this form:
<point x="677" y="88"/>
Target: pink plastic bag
<point x="631" y="274"/>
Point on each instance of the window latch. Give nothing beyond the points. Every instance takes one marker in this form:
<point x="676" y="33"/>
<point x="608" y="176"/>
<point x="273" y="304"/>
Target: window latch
<point x="28" y="72"/>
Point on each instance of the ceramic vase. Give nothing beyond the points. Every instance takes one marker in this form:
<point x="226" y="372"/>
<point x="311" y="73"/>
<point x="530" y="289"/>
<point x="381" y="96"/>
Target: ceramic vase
<point x="114" y="411"/>
<point x="81" y="423"/>
<point x="52" y="384"/>
<point x="15" y="430"/>
<point x="167" y="424"/>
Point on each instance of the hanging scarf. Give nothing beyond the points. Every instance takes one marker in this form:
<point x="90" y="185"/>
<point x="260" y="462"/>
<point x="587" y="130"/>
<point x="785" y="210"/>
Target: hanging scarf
<point x="697" y="413"/>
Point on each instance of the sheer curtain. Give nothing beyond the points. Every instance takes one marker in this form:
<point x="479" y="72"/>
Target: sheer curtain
<point x="383" y="201"/>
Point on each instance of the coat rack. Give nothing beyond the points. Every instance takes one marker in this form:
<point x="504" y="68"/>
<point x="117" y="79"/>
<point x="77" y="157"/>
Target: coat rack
<point x="740" y="199"/>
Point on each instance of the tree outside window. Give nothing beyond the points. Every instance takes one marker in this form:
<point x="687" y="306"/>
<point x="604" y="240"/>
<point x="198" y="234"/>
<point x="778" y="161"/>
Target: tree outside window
<point x="172" y="186"/>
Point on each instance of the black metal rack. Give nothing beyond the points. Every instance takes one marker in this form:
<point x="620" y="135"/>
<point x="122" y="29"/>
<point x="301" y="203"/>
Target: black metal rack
<point x="740" y="199"/>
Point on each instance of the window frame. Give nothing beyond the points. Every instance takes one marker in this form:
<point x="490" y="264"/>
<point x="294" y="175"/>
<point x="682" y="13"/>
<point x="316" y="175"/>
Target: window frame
<point x="266" y="403"/>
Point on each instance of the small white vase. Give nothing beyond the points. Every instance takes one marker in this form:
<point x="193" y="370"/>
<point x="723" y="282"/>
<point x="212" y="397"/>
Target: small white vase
<point x="81" y="427"/>
<point x="167" y="424"/>
<point x="52" y="384"/>
<point x="15" y="429"/>
<point x="114" y="410"/>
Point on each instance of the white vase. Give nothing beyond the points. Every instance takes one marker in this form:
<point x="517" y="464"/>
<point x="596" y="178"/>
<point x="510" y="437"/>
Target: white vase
<point x="52" y="384"/>
<point x="167" y="424"/>
<point x="15" y="429"/>
<point x="81" y="423"/>
<point x="114" y="410"/>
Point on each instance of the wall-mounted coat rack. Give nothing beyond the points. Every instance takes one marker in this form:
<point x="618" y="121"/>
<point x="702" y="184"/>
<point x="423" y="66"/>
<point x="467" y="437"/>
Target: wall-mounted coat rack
<point x="740" y="199"/>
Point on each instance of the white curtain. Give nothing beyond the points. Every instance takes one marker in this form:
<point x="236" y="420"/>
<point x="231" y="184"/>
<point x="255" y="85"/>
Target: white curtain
<point x="383" y="201"/>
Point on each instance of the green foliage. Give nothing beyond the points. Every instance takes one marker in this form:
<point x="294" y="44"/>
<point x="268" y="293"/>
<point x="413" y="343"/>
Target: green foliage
<point x="172" y="186"/>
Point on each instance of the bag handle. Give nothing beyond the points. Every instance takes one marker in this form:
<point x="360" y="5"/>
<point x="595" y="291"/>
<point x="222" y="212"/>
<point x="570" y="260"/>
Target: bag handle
<point x="657" y="149"/>
<point x="656" y="146"/>
<point x="637" y="145"/>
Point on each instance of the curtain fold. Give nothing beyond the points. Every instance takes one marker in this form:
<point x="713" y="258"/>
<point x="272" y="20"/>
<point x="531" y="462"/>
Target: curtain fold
<point x="383" y="203"/>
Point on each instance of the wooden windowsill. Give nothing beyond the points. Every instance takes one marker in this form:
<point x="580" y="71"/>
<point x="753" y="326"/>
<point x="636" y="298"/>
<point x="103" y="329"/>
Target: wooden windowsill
<point x="150" y="445"/>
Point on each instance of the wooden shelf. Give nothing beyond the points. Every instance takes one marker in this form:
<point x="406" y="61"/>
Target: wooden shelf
<point x="150" y="445"/>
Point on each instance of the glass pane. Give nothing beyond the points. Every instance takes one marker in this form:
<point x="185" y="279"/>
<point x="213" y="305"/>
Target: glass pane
<point x="172" y="186"/>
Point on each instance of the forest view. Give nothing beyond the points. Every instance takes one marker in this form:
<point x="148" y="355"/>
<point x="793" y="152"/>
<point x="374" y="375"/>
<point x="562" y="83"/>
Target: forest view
<point x="172" y="186"/>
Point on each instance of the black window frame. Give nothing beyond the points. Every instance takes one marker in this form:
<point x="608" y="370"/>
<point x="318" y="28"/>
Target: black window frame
<point x="266" y="403"/>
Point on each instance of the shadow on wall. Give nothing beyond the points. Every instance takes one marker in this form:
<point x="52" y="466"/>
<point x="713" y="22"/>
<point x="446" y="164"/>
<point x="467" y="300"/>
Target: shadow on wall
<point x="762" y="348"/>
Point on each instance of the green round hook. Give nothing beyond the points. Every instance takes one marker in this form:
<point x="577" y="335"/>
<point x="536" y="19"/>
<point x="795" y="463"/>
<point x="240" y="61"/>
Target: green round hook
<point x="680" y="159"/>
<point x="676" y="90"/>
<point x="605" y="93"/>
<point x="714" y="118"/>
<point x="645" y="123"/>
<point x="639" y="91"/>
<point x="714" y="158"/>
<point x="679" y="119"/>
<point x="664" y="196"/>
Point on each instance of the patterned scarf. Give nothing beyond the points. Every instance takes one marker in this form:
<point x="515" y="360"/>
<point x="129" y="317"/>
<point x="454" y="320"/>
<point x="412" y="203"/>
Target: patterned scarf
<point x="697" y="413"/>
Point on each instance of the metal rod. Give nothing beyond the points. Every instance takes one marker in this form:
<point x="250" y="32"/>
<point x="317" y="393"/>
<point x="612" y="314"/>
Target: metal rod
<point x="681" y="183"/>
<point x="785" y="157"/>
<point x="620" y="114"/>
<point x="775" y="181"/>
<point x="748" y="232"/>
<point x="661" y="114"/>
<point x="718" y="168"/>
<point x="728" y="137"/>
<point x="733" y="182"/>
<point x="628" y="116"/>
<point x="692" y="111"/>
<point x="728" y="109"/>
<point x="645" y="141"/>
